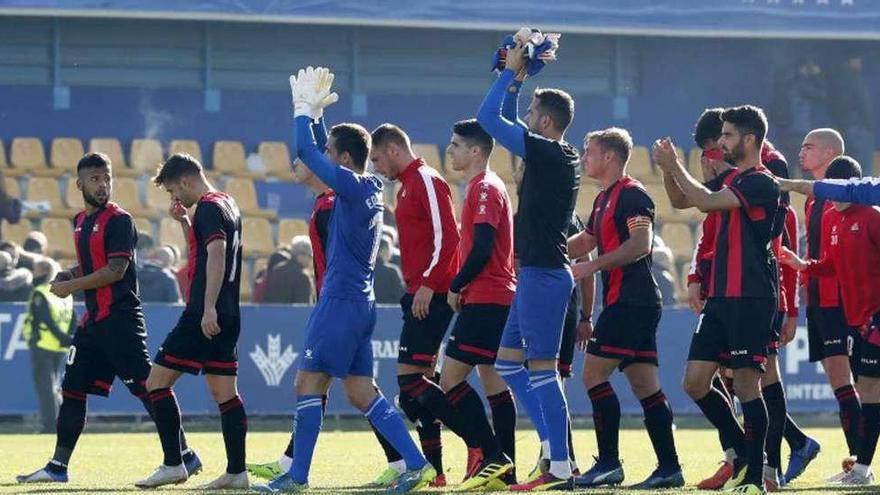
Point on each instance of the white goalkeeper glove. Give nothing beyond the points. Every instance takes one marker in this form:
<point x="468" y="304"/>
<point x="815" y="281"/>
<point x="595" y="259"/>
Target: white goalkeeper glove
<point x="310" y="89"/>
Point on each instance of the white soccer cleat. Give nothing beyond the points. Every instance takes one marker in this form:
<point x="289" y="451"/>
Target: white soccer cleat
<point x="228" y="481"/>
<point x="164" y="475"/>
<point x="859" y="476"/>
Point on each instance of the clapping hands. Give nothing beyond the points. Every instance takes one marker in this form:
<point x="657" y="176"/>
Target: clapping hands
<point x="311" y="93"/>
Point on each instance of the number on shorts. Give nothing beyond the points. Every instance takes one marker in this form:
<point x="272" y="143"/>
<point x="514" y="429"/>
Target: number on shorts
<point x="71" y="354"/>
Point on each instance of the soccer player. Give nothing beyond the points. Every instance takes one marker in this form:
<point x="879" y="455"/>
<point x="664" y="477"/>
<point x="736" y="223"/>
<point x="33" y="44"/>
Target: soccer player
<point x="429" y="241"/>
<point x="110" y="340"/>
<point x="736" y="323"/>
<point x="625" y="337"/>
<point x="339" y="330"/>
<point x="851" y="252"/>
<point x="481" y="293"/>
<point x="319" y="232"/>
<point x="547" y="197"/>
<point x="206" y="336"/>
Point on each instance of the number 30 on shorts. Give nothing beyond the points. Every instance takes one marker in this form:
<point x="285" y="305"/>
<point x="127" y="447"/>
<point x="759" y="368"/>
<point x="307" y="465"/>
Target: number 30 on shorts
<point x="71" y="354"/>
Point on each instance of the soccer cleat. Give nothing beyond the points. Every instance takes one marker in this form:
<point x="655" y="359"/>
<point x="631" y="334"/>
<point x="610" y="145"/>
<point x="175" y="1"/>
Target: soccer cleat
<point x="43" y="475"/>
<point x="164" y="475"/>
<point x="502" y="483"/>
<point x="858" y="477"/>
<point x="281" y="484"/>
<point x="747" y="490"/>
<point x="772" y="481"/>
<point x="541" y="467"/>
<point x="800" y="459"/>
<point x="439" y="481"/>
<point x="474" y="459"/>
<point x="544" y="483"/>
<point x="662" y="478"/>
<point x="846" y="465"/>
<point x="412" y="480"/>
<point x="717" y="480"/>
<point x="229" y="481"/>
<point x="487" y="471"/>
<point x="739" y="473"/>
<point x="602" y="473"/>
<point x="385" y="479"/>
<point x="193" y="463"/>
<point x="267" y="471"/>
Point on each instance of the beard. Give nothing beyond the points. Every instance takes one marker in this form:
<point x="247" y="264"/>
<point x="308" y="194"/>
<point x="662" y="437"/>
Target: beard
<point x="735" y="154"/>
<point x="94" y="201"/>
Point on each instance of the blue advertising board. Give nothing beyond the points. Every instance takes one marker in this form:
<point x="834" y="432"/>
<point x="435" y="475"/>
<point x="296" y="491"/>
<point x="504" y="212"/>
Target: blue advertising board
<point x="271" y="345"/>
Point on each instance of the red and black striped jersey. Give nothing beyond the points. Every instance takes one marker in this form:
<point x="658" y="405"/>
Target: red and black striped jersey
<point x="743" y="264"/>
<point x="106" y="233"/>
<point x="821" y="292"/>
<point x="216" y="217"/>
<point x="622" y="205"/>
<point x="319" y="230"/>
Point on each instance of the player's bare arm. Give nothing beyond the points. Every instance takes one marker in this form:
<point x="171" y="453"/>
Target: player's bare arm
<point x="697" y="194"/>
<point x="581" y="244"/>
<point x="804" y="187"/>
<point x="215" y="269"/>
<point x="588" y="294"/>
<point x="633" y="249"/>
<point x="676" y="196"/>
<point x="111" y="273"/>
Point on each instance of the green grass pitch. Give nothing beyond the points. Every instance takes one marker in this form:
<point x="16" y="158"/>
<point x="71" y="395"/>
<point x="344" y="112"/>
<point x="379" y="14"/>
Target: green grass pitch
<point x="108" y="463"/>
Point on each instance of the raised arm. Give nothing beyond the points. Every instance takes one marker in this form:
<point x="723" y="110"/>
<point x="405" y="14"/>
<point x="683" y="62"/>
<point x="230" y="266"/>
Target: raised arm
<point x="307" y="150"/>
<point x="864" y="191"/>
<point x="508" y="134"/>
<point x="319" y="130"/>
<point x="510" y="108"/>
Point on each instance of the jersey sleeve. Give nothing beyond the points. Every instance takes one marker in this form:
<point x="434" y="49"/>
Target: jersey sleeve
<point x="209" y="223"/>
<point x="348" y="184"/>
<point x="635" y="207"/>
<point x="120" y="237"/>
<point x="755" y="190"/>
<point x="705" y="248"/>
<point x="437" y="202"/>
<point x="490" y="205"/>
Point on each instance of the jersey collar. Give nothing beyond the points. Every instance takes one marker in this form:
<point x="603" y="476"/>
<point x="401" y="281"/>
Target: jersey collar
<point x="412" y="167"/>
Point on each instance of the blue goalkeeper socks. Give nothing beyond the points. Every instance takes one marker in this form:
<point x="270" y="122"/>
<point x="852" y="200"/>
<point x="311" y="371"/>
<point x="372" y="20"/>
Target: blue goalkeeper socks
<point x="546" y="387"/>
<point x="307" y="425"/>
<point x="390" y="425"/>
<point x="517" y="378"/>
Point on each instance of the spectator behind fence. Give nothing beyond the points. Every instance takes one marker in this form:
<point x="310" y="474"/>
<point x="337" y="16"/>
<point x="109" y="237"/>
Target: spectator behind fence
<point x="662" y="263"/>
<point x="262" y="277"/>
<point x="145" y="244"/>
<point x="388" y="284"/>
<point x="20" y="258"/>
<point x="290" y="281"/>
<point x="48" y="331"/>
<point x="157" y="282"/>
<point x="35" y="243"/>
<point x="15" y="283"/>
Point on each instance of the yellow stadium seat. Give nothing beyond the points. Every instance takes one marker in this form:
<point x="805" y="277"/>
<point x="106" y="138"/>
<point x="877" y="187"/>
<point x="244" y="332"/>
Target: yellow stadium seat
<point x="585" y="198"/>
<point x="3" y="162"/>
<point x="391" y="189"/>
<point x="145" y="156"/>
<point x="451" y="175"/>
<point x="143" y="225"/>
<point x="639" y="166"/>
<point x="246" y="289"/>
<point x="28" y="157"/>
<point x="457" y="199"/>
<point x="876" y="162"/>
<point x="65" y="153"/>
<point x="229" y="159"/>
<point x="245" y="194"/>
<point x="59" y="233"/>
<point x="127" y="195"/>
<point x="187" y="146"/>
<point x="693" y="163"/>
<point x="679" y="239"/>
<point x="430" y="153"/>
<point x="682" y="283"/>
<point x="501" y="162"/>
<point x="662" y="207"/>
<point x="256" y="237"/>
<point x="158" y="199"/>
<point x="45" y="189"/>
<point x="17" y="232"/>
<point x="170" y="232"/>
<point x="10" y="186"/>
<point x="276" y="157"/>
<point x="113" y="149"/>
<point x="289" y="227"/>
<point x="73" y="196"/>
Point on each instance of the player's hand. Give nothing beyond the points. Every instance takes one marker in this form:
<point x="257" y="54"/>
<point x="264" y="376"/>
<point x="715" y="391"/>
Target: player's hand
<point x="787" y="257"/>
<point x="695" y="298"/>
<point x="178" y="212"/>
<point x="210" y="327"/>
<point x="664" y="154"/>
<point x="311" y="92"/>
<point x="422" y="302"/>
<point x="516" y="58"/>
<point x="63" y="276"/>
<point x="583" y="270"/>
<point x="786" y="334"/>
<point x="61" y="288"/>
<point x="584" y="332"/>
<point x="454" y="301"/>
<point x="324" y="97"/>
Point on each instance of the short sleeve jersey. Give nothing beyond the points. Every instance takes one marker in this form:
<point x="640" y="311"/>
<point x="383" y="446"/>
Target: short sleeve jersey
<point x="216" y="218"/>
<point x="486" y="202"/>
<point x="106" y="233"/>
<point x="547" y="195"/>
<point x="623" y="205"/>
<point x="355" y="231"/>
<point x="743" y="264"/>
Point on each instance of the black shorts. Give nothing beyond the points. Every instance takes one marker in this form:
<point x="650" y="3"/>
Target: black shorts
<point x="477" y="333"/>
<point x="566" y="346"/>
<point x="101" y="351"/>
<point x="869" y="349"/>
<point x="626" y="332"/>
<point x="734" y="332"/>
<point x="776" y="333"/>
<point x="420" y="339"/>
<point x="828" y="333"/>
<point x="187" y="349"/>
